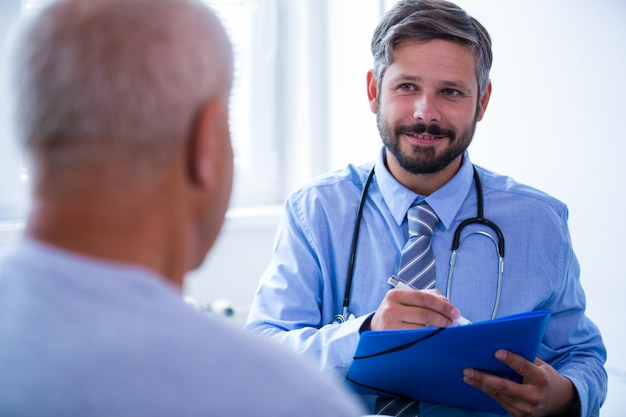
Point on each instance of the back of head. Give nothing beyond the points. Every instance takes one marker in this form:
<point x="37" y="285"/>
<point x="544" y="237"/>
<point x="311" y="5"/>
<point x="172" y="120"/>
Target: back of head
<point x="424" y="20"/>
<point x="114" y="85"/>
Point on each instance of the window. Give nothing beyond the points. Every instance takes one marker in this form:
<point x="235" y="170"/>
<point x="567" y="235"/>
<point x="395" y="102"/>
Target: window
<point x="298" y="106"/>
<point x="251" y="25"/>
<point x="13" y="196"/>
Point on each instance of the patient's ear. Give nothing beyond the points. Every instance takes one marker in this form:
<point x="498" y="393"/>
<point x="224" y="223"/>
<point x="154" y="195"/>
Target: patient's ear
<point x="204" y="149"/>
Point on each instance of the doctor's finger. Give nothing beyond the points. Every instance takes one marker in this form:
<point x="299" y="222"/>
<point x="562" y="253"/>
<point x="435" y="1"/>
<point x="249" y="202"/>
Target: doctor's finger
<point x="516" y="399"/>
<point x="528" y="370"/>
<point x="428" y="308"/>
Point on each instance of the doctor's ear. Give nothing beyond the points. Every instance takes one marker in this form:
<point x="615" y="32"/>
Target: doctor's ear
<point x="372" y="91"/>
<point x="483" y="102"/>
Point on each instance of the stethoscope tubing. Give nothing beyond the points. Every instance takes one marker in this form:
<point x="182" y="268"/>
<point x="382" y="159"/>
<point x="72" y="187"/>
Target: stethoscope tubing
<point x="355" y="239"/>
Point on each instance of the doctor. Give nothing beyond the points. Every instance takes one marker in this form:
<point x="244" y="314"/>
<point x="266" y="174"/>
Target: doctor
<point x="429" y="87"/>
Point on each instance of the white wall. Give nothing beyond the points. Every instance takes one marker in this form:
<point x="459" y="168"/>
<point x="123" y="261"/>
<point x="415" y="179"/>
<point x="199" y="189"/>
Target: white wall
<point x="554" y="122"/>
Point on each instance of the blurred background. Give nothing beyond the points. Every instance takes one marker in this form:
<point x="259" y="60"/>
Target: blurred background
<point x="299" y="109"/>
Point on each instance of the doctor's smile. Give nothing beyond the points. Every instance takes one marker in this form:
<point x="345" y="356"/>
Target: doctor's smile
<point x="423" y="133"/>
<point x="429" y="138"/>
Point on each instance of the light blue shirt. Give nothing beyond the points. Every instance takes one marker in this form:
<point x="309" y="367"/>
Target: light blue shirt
<point x="85" y="337"/>
<point x="303" y="287"/>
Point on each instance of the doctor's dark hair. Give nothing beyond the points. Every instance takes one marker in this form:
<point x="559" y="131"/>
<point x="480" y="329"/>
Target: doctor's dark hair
<point x="424" y="20"/>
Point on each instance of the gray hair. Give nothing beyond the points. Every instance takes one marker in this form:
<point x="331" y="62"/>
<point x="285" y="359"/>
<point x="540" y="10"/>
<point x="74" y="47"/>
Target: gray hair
<point x="424" y="20"/>
<point x="117" y="83"/>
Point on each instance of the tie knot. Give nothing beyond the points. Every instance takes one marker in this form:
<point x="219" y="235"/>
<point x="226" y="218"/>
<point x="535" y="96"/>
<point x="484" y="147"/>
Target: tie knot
<point x="422" y="220"/>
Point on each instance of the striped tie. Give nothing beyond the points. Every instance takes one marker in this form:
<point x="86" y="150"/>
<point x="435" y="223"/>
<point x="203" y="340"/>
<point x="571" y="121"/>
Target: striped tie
<point x="417" y="263"/>
<point x="417" y="270"/>
<point x="387" y="406"/>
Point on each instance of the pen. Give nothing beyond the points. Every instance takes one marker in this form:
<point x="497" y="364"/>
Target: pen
<point x="399" y="284"/>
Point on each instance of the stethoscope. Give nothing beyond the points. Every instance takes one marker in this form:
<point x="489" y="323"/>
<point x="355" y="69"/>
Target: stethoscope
<point x="456" y="244"/>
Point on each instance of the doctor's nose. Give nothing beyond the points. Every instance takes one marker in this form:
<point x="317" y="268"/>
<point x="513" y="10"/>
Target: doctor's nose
<point x="425" y="108"/>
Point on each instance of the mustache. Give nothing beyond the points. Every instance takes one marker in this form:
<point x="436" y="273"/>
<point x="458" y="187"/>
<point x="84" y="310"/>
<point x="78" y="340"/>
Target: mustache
<point x="419" y="128"/>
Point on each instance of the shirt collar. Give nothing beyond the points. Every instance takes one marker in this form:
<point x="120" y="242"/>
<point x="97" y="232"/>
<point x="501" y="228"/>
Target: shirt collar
<point x="446" y="201"/>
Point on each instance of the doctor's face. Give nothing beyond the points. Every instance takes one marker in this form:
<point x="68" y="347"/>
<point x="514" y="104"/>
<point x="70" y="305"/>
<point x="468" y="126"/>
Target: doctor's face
<point x="427" y="105"/>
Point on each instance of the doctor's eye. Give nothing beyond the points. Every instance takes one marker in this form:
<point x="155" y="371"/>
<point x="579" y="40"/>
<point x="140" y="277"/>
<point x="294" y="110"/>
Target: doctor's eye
<point x="407" y="87"/>
<point x="451" y="92"/>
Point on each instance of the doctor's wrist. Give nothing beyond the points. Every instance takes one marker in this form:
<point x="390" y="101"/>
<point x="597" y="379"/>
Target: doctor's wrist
<point x="573" y="409"/>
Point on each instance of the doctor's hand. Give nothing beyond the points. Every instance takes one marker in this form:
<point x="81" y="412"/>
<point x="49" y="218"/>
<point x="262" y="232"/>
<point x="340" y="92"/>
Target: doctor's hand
<point x="405" y="308"/>
<point x="542" y="392"/>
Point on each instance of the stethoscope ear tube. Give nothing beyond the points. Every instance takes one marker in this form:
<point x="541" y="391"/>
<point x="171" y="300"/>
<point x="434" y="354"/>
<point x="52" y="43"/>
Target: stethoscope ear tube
<point x="499" y="243"/>
<point x="340" y="318"/>
<point x="456" y="241"/>
<point x="480" y="219"/>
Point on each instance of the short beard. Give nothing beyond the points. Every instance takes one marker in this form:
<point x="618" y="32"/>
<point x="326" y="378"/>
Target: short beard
<point x="423" y="159"/>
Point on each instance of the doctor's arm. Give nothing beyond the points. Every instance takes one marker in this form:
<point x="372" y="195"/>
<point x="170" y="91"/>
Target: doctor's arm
<point x="571" y="379"/>
<point x="296" y="301"/>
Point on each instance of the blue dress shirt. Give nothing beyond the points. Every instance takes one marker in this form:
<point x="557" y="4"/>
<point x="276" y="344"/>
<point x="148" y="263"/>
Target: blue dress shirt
<point x="303" y="287"/>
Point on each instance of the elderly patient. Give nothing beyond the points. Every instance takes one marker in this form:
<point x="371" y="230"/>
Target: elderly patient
<point x="122" y="109"/>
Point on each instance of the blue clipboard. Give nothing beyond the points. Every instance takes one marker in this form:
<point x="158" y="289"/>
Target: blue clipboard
<point x="427" y="364"/>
